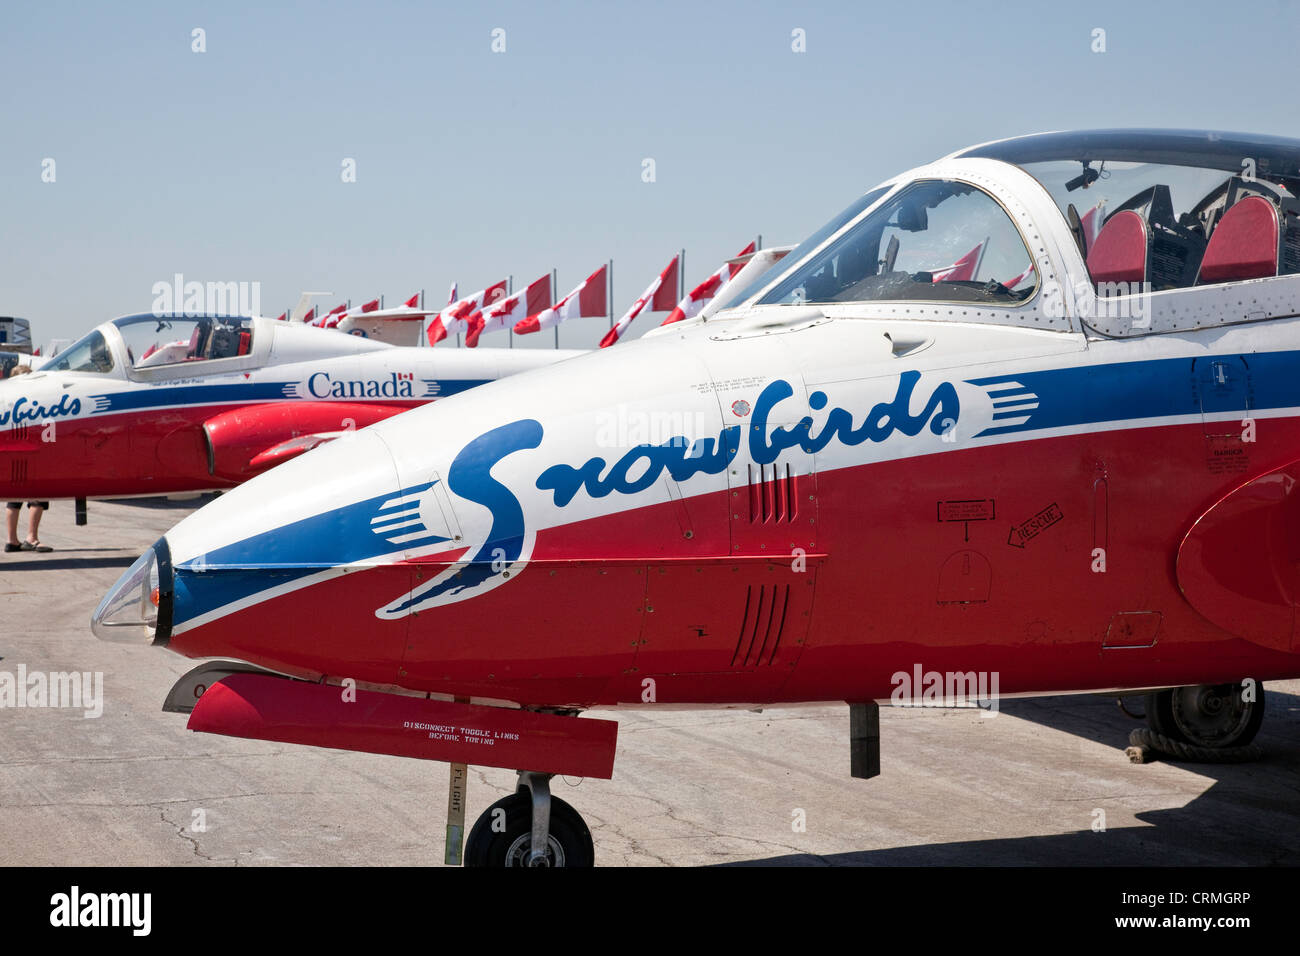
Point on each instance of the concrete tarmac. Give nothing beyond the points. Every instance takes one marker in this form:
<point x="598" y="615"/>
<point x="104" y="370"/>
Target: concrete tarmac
<point x="1045" y="781"/>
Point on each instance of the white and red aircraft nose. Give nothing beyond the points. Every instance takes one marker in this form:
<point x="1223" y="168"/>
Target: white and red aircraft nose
<point x="306" y="523"/>
<point x="407" y="554"/>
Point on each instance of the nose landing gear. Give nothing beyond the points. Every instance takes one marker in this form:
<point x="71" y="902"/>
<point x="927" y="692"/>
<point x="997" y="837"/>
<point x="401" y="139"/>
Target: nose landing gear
<point x="1216" y="716"/>
<point x="530" y="828"/>
<point x="1212" y="723"/>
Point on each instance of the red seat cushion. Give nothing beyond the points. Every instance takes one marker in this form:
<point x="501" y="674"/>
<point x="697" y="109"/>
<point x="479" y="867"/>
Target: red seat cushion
<point x="245" y="342"/>
<point x="1244" y="244"/>
<point x="1119" y="253"/>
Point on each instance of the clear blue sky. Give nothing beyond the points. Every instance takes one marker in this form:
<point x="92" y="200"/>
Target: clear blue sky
<point x="225" y="165"/>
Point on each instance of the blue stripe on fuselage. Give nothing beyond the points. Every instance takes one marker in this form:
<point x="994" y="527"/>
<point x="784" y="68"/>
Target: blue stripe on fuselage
<point x="1159" y="388"/>
<point x="239" y="392"/>
<point x="284" y="554"/>
<point x="193" y="395"/>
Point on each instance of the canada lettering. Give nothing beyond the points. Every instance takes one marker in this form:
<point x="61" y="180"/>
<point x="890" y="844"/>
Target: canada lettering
<point x="322" y="386"/>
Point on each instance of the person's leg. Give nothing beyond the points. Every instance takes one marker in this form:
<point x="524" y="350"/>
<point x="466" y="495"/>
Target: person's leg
<point x="11" y="521"/>
<point x="34" y="513"/>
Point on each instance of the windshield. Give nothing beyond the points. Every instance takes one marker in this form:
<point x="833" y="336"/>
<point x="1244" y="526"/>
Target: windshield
<point x="933" y="241"/>
<point x="809" y="244"/>
<point x="88" y="354"/>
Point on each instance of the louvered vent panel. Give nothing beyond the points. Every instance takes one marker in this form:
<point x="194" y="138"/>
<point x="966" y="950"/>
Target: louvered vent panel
<point x="773" y="494"/>
<point x="762" y="625"/>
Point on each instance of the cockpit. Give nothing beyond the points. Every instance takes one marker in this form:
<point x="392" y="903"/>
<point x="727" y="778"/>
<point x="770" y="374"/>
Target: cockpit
<point x="143" y="343"/>
<point x="1148" y="211"/>
<point x="1169" y="209"/>
<point x="154" y="341"/>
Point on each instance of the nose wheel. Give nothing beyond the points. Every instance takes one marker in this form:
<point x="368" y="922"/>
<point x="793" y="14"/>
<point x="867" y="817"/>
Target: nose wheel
<point x="530" y="828"/>
<point x="1216" y="716"/>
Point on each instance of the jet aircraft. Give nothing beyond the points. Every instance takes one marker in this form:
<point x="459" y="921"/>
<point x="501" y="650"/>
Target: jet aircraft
<point x="1075" y="471"/>
<point x="165" y="404"/>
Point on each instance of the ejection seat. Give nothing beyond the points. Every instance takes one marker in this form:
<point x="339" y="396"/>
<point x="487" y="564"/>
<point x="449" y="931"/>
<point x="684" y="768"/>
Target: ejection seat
<point x="1119" y="253"/>
<point x="1245" y="243"/>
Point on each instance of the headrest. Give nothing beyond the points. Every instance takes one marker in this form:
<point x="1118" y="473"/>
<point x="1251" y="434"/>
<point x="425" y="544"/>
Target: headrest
<point x="1244" y="245"/>
<point x="1119" y="253"/>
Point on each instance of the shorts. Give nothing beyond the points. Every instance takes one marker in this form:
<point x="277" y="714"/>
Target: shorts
<point x="17" y="505"/>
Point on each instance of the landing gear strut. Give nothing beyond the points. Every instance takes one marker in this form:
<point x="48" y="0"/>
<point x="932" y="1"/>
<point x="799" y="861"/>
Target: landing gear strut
<point x="1216" y="716"/>
<point x="530" y="828"/>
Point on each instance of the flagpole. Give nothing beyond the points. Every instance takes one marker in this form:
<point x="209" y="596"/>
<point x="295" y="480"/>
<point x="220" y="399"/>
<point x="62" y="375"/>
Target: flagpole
<point x="681" y="277"/>
<point x="610" y="302"/>
<point x="554" y="292"/>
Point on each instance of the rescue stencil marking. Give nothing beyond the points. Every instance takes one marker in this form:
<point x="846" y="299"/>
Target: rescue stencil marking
<point x="1028" y="530"/>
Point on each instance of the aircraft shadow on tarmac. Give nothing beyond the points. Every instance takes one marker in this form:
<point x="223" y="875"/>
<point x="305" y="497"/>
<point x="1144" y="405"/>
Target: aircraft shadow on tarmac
<point x="1249" y="816"/>
<point x="163" y="503"/>
<point x="119" y="559"/>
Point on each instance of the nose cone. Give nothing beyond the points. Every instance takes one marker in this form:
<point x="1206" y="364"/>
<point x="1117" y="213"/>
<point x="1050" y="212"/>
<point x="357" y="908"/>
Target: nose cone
<point x="266" y="572"/>
<point x="138" y="608"/>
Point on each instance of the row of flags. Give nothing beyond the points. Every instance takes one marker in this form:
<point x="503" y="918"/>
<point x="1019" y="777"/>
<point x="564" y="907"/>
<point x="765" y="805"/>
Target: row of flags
<point x="374" y="309"/>
<point x="532" y="310"/>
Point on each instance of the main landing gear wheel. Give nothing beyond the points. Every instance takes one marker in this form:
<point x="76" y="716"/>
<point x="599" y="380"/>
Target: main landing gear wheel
<point x="515" y="829"/>
<point x="1208" y="715"/>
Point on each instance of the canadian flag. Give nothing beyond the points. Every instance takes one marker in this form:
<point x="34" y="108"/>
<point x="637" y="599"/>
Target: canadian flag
<point x="282" y="317"/>
<point x="513" y="308"/>
<point x="1020" y="278"/>
<point x="699" y="297"/>
<point x="963" y="270"/>
<point x="653" y="296"/>
<point x="414" y="301"/>
<point x="587" y="300"/>
<point x="330" y="319"/>
<point x="451" y="298"/>
<point x="451" y="320"/>
<point x="310" y="316"/>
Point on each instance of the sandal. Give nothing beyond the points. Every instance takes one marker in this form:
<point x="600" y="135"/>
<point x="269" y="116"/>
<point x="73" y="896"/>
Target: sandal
<point x="36" y="546"/>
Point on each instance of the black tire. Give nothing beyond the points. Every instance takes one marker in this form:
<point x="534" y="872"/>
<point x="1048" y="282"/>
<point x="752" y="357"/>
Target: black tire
<point x="1206" y="715"/>
<point x="569" y="844"/>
